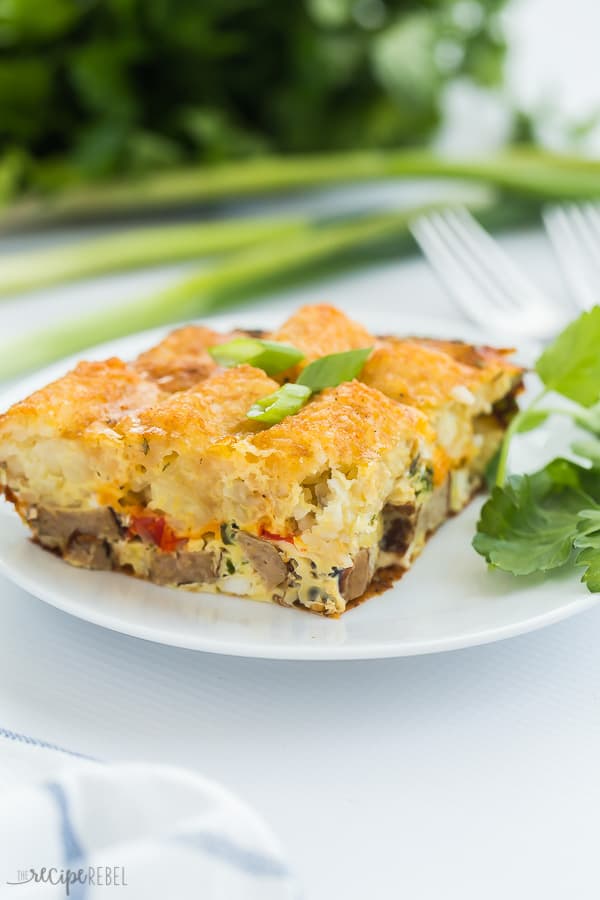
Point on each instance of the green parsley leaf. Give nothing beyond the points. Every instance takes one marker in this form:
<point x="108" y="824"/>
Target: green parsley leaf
<point x="566" y="473"/>
<point x="571" y="365"/>
<point x="329" y="371"/>
<point x="491" y="471"/>
<point x="530" y="524"/>
<point x="284" y="402"/>
<point x="588" y="544"/>
<point x="529" y="419"/>
<point x="270" y="356"/>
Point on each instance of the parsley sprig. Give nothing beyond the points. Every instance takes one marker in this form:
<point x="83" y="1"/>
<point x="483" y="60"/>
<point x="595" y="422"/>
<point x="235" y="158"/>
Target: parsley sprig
<point x="570" y="366"/>
<point x="540" y="521"/>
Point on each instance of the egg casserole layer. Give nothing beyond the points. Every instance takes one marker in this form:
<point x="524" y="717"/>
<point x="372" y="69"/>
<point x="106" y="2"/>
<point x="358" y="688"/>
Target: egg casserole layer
<point x="152" y="467"/>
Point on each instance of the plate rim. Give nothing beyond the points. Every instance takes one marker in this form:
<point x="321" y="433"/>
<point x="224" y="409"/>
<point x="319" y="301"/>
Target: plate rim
<point x="304" y="652"/>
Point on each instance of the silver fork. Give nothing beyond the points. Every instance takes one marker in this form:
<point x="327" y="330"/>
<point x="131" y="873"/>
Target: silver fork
<point x="485" y="283"/>
<point x="574" y="232"/>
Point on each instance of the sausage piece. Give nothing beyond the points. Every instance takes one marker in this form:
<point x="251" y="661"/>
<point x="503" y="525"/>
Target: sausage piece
<point x="183" y="567"/>
<point x="265" y="559"/>
<point x="399" y="523"/>
<point x="355" y="579"/>
<point x="88" y="552"/>
<point x="55" y="525"/>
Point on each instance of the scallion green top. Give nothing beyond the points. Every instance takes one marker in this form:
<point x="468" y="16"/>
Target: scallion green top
<point x="328" y="371"/>
<point x="270" y="356"/>
<point x="284" y="402"/>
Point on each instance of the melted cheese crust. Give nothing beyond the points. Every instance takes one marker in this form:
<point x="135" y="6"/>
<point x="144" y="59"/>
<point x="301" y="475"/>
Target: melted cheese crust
<point x="181" y="360"/>
<point x="167" y="435"/>
<point x="453" y="384"/>
<point x="318" y="330"/>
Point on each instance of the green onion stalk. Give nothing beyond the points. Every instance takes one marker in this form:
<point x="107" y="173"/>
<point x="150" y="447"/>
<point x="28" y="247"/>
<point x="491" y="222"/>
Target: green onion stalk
<point x="243" y="258"/>
<point x="525" y="171"/>
<point x="308" y="251"/>
<point x="136" y="248"/>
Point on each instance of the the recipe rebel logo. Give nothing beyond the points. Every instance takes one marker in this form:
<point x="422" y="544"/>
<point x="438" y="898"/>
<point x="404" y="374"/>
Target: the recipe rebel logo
<point x="98" y="876"/>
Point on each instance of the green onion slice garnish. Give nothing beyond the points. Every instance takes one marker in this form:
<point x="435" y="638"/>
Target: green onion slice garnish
<point x="284" y="402"/>
<point x="270" y="356"/>
<point x="329" y="371"/>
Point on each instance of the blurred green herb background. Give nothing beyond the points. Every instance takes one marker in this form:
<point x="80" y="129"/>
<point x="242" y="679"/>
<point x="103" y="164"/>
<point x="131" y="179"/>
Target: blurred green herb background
<point x="166" y="114"/>
<point x="97" y="88"/>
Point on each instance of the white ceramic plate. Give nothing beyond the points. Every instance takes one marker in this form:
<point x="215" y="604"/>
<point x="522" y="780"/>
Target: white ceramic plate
<point x="446" y="601"/>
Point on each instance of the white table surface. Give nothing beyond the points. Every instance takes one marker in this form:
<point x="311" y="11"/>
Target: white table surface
<point x="465" y="775"/>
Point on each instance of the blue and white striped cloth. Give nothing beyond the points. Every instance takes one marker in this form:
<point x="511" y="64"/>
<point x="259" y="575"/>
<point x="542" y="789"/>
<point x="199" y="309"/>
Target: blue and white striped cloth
<point x="70" y="825"/>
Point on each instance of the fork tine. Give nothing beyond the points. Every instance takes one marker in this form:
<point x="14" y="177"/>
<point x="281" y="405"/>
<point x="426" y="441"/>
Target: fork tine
<point x="568" y="251"/>
<point x="576" y="242"/>
<point x="593" y="211"/>
<point x="517" y="288"/>
<point x="451" y="273"/>
<point x="467" y="244"/>
<point x="479" y="293"/>
<point x="586" y="230"/>
<point x="485" y="283"/>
